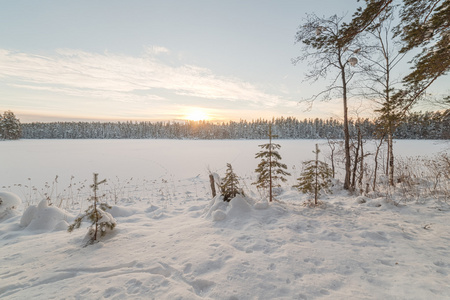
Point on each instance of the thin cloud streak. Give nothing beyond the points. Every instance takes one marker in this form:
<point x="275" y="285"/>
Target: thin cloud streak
<point x="118" y="77"/>
<point x="100" y="94"/>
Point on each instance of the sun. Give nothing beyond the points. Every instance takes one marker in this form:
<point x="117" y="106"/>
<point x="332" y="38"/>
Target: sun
<point x="197" y="115"/>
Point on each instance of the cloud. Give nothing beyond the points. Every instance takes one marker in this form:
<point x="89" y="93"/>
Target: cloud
<point x="99" y="94"/>
<point x="125" y="78"/>
<point x="157" y="50"/>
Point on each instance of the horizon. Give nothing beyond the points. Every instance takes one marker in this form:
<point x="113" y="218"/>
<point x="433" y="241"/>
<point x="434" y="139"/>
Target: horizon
<point x="219" y="122"/>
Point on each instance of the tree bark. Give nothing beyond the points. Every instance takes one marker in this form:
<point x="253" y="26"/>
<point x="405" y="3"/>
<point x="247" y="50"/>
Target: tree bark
<point x="316" y="184"/>
<point x="361" y="163"/>
<point x="270" y="162"/>
<point x="346" y="130"/>
<point x="391" y="157"/>
<point x="376" y="165"/>
<point x="213" y="187"/>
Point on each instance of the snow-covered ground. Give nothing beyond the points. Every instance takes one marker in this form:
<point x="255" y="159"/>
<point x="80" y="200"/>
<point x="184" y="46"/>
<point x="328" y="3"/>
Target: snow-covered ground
<point x="173" y="241"/>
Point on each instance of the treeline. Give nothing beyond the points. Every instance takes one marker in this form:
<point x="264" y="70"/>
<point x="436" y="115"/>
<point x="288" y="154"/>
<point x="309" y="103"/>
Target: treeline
<point x="429" y="125"/>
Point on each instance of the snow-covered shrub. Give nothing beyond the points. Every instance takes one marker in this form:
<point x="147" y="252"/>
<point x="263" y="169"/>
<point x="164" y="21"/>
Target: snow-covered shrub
<point x="436" y="176"/>
<point x="96" y="213"/>
<point x="44" y="218"/>
<point x="419" y="178"/>
<point x="239" y="207"/>
<point x="8" y="204"/>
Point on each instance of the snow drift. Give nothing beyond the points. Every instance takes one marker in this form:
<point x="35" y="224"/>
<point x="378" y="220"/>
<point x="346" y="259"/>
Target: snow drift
<point x="45" y="218"/>
<point x="9" y="203"/>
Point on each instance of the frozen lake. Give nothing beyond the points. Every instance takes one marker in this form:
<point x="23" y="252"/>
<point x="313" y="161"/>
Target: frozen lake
<point x="40" y="161"/>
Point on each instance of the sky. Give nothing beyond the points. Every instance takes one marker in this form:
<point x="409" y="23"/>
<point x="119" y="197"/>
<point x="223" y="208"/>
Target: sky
<point x="145" y="60"/>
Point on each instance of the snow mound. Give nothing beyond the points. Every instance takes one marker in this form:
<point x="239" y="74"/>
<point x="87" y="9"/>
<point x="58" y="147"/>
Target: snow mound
<point x="362" y="199"/>
<point x="122" y="211"/>
<point x="45" y="218"/>
<point x="216" y="204"/>
<point x="8" y="204"/>
<point x="219" y="215"/>
<point x="377" y="202"/>
<point x="239" y="207"/>
<point x="155" y="212"/>
<point x="264" y="204"/>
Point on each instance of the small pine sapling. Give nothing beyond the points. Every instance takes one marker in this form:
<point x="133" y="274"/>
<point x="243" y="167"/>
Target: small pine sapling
<point x="96" y="213"/>
<point x="315" y="177"/>
<point x="270" y="168"/>
<point x="229" y="186"/>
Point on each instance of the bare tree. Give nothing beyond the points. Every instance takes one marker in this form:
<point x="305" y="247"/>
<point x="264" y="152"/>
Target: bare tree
<point x="330" y="55"/>
<point x="380" y="84"/>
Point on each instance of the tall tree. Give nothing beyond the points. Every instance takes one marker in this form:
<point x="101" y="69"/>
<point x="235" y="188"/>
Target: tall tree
<point x="381" y="85"/>
<point x="10" y="127"/>
<point x="323" y="46"/>
<point x="270" y="169"/>
<point x="425" y="26"/>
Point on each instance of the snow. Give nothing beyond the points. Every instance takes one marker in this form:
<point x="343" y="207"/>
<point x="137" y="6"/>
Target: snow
<point x="9" y="202"/>
<point x="174" y="241"/>
<point x="43" y="218"/>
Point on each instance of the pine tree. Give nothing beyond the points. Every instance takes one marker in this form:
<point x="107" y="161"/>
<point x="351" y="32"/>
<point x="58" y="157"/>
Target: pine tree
<point x="10" y="128"/>
<point x="315" y="177"/>
<point x="270" y="169"/>
<point x="229" y="186"/>
<point x="423" y="28"/>
<point x="96" y="213"/>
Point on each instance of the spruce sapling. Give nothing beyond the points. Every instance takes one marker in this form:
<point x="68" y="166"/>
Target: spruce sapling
<point x="96" y="213"/>
<point x="229" y="186"/>
<point x="315" y="177"/>
<point x="270" y="169"/>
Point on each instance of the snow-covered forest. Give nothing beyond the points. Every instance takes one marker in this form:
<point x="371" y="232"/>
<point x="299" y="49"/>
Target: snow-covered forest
<point x="429" y="125"/>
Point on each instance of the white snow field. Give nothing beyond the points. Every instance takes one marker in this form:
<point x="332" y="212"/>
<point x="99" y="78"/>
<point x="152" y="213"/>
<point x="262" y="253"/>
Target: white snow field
<point x="173" y="241"/>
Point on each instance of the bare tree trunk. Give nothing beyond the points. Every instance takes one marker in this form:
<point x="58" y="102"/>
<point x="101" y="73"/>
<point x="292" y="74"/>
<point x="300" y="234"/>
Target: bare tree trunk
<point x="361" y="163"/>
<point x="213" y="187"/>
<point x="316" y="184"/>
<point x="355" y="163"/>
<point x="391" y="157"/>
<point x="386" y="170"/>
<point x="346" y="132"/>
<point x="332" y="147"/>
<point x="376" y="164"/>
<point x="270" y="163"/>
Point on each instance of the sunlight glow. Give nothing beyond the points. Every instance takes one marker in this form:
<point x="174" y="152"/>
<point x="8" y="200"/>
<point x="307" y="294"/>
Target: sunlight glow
<point x="197" y="114"/>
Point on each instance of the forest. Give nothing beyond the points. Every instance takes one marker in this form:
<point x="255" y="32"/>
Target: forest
<point x="428" y="125"/>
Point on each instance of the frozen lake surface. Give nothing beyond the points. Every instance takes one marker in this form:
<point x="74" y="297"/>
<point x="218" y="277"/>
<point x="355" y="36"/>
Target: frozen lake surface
<point x="43" y="160"/>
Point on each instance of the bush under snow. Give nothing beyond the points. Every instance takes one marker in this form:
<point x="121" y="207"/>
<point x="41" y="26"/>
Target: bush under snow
<point x="45" y="218"/>
<point x="8" y="204"/>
